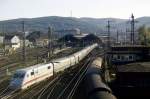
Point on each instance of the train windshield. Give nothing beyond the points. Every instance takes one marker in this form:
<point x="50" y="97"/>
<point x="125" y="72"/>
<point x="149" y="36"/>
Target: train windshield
<point x="18" y="75"/>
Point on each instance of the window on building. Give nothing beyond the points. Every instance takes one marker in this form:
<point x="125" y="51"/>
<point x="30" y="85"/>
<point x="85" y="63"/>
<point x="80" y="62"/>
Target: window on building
<point x="122" y="58"/>
<point x="115" y="57"/>
<point x="118" y="57"/>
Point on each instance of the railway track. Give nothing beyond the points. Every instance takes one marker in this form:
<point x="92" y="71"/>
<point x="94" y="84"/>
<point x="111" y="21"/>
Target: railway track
<point x="26" y="94"/>
<point x="70" y="80"/>
<point x="69" y="90"/>
<point x="6" y="93"/>
<point x="59" y="54"/>
<point x="3" y="79"/>
<point x="52" y="88"/>
<point x="13" y="66"/>
<point x="48" y="88"/>
<point x="37" y="92"/>
<point x="13" y="94"/>
<point x="4" y="83"/>
<point x="49" y="85"/>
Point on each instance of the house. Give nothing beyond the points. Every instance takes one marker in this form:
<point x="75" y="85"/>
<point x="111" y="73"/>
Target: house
<point x="1" y="39"/>
<point x="41" y="42"/>
<point x="12" y="41"/>
<point x="27" y="43"/>
<point x="128" y="54"/>
<point x="68" y="31"/>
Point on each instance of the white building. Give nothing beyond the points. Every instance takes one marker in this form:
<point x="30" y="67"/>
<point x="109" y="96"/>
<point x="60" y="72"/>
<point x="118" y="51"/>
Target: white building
<point x="1" y="39"/>
<point x="12" y="41"/>
<point x="27" y="43"/>
<point x="81" y="35"/>
<point x="41" y="42"/>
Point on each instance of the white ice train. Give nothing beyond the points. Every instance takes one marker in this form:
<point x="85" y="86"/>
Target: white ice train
<point x="26" y="77"/>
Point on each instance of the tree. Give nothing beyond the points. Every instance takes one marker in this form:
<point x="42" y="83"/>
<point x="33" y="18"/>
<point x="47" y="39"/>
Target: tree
<point x="34" y="35"/>
<point x="143" y="34"/>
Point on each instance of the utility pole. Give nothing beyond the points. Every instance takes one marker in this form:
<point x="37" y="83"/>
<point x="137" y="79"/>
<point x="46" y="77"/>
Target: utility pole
<point x="126" y="41"/>
<point x="49" y="41"/>
<point x="63" y="38"/>
<point x="145" y="39"/>
<point x="3" y="31"/>
<point x="23" y="47"/>
<point x="132" y="29"/>
<point x="117" y="36"/>
<point x="108" y="31"/>
<point x="124" y="38"/>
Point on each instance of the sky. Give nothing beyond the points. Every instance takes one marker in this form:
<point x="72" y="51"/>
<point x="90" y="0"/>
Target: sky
<point x="12" y="9"/>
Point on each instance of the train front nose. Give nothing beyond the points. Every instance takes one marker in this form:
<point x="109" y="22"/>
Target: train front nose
<point x="17" y="79"/>
<point x="15" y="84"/>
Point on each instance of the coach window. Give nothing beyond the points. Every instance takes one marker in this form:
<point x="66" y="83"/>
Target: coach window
<point x="118" y="57"/>
<point x="130" y="57"/>
<point x="115" y="57"/>
<point x="32" y="73"/>
<point x="48" y="67"/>
<point x="122" y="58"/>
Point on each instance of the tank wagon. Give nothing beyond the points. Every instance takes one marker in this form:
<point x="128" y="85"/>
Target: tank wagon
<point x="26" y="77"/>
<point x="95" y="86"/>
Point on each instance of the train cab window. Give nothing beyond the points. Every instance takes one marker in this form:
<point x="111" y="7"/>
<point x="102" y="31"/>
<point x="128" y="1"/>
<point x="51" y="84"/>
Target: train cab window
<point x="32" y="73"/>
<point x="22" y="75"/>
<point x="18" y="75"/>
<point x="48" y="67"/>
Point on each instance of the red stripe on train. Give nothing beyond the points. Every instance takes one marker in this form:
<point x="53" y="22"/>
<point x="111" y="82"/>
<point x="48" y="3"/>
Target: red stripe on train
<point x="35" y="79"/>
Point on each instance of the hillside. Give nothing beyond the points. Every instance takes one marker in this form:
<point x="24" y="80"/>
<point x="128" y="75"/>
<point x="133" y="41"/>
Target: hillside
<point x="88" y="25"/>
